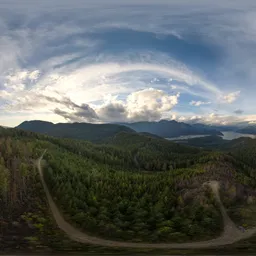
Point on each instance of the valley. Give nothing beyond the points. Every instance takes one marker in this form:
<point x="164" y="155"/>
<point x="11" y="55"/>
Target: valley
<point x="101" y="191"/>
<point x="230" y="234"/>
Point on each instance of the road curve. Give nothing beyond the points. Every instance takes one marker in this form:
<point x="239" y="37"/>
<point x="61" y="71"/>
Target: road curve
<point x="230" y="234"/>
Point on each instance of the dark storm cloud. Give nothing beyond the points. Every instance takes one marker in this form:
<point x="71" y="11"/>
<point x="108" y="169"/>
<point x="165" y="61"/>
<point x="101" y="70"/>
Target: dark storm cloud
<point x="239" y="111"/>
<point x="83" y="113"/>
<point x="114" y="112"/>
<point x="64" y="101"/>
<point x="80" y="112"/>
<point x="146" y="115"/>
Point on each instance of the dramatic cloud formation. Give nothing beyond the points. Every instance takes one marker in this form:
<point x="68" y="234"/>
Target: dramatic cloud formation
<point x="128" y="61"/>
<point x="148" y="104"/>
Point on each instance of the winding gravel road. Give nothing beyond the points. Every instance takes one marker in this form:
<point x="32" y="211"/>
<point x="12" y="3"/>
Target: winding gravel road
<point x="230" y="235"/>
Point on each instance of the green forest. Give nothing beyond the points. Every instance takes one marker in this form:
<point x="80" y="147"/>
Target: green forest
<point x="131" y="187"/>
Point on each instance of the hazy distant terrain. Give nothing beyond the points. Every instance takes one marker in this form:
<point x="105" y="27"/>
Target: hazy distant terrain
<point x="226" y="135"/>
<point x="169" y="129"/>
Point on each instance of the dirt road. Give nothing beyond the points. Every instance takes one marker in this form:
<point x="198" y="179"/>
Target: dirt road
<point x="230" y="234"/>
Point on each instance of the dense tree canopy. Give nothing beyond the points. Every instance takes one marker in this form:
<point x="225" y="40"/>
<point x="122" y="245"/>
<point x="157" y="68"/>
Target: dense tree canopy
<point x="134" y="187"/>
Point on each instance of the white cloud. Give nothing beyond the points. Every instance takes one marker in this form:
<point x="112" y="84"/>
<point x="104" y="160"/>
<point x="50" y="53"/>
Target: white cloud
<point x="33" y="76"/>
<point x="134" y="105"/>
<point x="217" y="119"/>
<point x="144" y="105"/>
<point x="112" y="70"/>
<point x="199" y="103"/>
<point x="149" y="101"/>
<point x="231" y="97"/>
<point x="17" y="77"/>
<point x="20" y="77"/>
<point x="154" y="80"/>
<point x="67" y="53"/>
<point x="93" y="82"/>
<point x="4" y="94"/>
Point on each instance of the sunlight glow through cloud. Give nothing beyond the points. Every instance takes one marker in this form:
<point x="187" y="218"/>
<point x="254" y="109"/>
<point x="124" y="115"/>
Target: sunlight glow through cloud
<point x="108" y="62"/>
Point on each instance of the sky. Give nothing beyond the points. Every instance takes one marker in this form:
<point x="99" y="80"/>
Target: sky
<point x="127" y="61"/>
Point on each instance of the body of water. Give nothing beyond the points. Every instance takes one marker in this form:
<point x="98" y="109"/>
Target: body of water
<point x="226" y="136"/>
<point x="187" y="137"/>
<point x="236" y="135"/>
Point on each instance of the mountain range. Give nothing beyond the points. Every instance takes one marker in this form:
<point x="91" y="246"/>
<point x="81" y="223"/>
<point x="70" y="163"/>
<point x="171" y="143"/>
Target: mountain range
<point x="250" y="129"/>
<point x="96" y="132"/>
<point x="169" y="129"/>
<point x="85" y="131"/>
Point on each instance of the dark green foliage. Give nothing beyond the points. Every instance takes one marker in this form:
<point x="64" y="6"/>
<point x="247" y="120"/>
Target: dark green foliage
<point x="126" y="205"/>
<point x="156" y="154"/>
<point x="133" y="188"/>
<point x="210" y="142"/>
<point x="243" y="149"/>
<point x="24" y="216"/>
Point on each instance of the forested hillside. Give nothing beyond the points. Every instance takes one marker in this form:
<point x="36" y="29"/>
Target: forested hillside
<point x="209" y="142"/>
<point x="25" y="221"/>
<point x="132" y="188"/>
<point x="85" y="131"/>
<point x="157" y="154"/>
<point x="243" y="149"/>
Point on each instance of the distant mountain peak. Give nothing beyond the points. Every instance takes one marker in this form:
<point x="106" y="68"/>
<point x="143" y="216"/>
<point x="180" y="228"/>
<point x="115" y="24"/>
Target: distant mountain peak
<point x="86" y="131"/>
<point x="171" y="128"/>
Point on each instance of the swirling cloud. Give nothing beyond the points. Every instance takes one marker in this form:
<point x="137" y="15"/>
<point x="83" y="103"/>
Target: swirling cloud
<point x="116" y="61"/>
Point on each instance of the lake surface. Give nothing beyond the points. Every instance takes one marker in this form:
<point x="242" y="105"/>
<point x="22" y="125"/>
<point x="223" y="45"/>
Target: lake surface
<point x="186" y="137"/>
<point x="226" y="136"/>
<point x="236" y="135"/>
